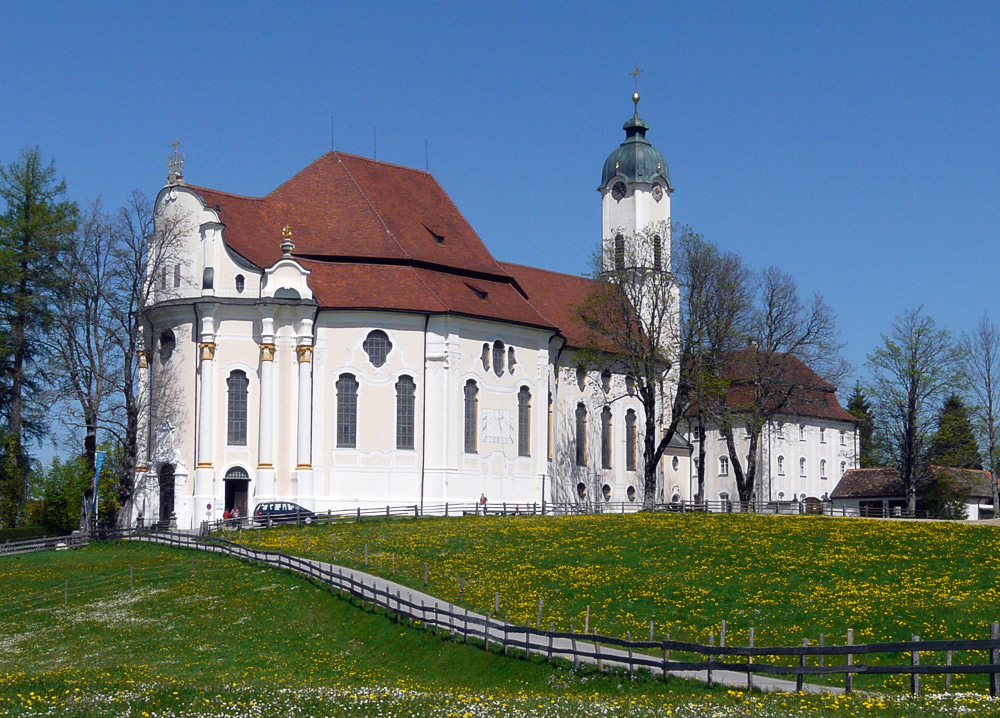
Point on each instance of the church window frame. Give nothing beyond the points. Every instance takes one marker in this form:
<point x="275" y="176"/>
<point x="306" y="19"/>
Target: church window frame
<point x="606" y="438"/>
<point x="822" y="468"/>
<point x="498" y="357"/>
<point x="802" y="466"/>
<point x="781" y="465"/>
<point x="524" y="422"/>
<point x="822" y="434"/>
<point x="581" y="434"/>
<point x="843" y="468"/>
<point x="377" y="346"/>
<point x="177" y="276"/>
<point x="723" y="466"/>
<point x="843" y="437"/>
<point x="240" y="283"/>
<point x="619" y="251"/>
<point x="347" y="411"/>
<point x="406" y="393"/>
<point x="630" y="440"/>
<point x="657" y="252"/>
<point x="238" y="390"/>
<point x="486" y="356"/>
<point x="471" y="392"/>
<point x="168" y="343"/>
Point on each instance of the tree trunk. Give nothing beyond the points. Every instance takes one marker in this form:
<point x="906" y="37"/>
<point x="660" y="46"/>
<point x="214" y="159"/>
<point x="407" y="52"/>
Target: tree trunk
<point x="701" y="458"/>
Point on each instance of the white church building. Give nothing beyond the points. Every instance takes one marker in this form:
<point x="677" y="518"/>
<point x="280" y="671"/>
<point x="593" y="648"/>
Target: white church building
<point x="348" y="340"/>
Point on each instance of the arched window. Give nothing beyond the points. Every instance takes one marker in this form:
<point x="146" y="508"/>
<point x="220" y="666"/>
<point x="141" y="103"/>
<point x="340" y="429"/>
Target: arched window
<point x="630" y="493"/>
<point x="377" y="346"/>
<point x="471" y="415"/>
<point x="675" y="463"/>
<point x="524" y="422"/>
<point x="802" y="467"/>
<point x="619" y="252"/>
<point x="630" y="440"/>
<point x="237" y="473"/>
<point x="549" y="437"/>
<point x="802" y="432"/>
<point x="177" y="276"/>
<point x="606" y="438"/>
<point x="167" y="344"/>
<point x="347" y="411"/>
<point x="511" y="361"/>
<point x="581" y="491"/>
<point x="405" y="392"/>
<point x="781" y="466"/>
<point x="240" y="283"/>
<point x="822" y="468"/>
<point x="237" y="383"/>
<point x="843" y="467"/>
<point x="498" y="357"/>
<point x="486" y="357"/>
<point x="581" y="434"/>
<point x="822" y="435"/>
<point x="657" y="253"/>
<point x="606" y="492"/>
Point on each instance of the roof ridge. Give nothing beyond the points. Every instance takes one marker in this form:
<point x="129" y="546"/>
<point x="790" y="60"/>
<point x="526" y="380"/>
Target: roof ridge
<point x="199" y="188"/>
<point x="372" y="207"/>
<point x="550" y="271"/>
<point x="380" y="162"/>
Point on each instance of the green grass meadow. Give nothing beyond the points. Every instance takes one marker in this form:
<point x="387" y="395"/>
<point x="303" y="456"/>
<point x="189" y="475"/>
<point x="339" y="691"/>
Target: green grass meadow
<point x="201" y="635"/>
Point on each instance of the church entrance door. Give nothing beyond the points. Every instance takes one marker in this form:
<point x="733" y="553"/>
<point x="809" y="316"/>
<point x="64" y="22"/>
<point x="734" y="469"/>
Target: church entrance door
<point x="237" y="491"/>
<point x="166" y="491"/>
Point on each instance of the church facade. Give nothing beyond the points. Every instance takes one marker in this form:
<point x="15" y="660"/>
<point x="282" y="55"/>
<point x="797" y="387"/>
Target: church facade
<point x="348" y="340"/>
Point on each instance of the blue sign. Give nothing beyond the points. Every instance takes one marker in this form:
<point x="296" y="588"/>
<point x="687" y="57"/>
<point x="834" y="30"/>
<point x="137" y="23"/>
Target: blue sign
<point x="98" y="462"/>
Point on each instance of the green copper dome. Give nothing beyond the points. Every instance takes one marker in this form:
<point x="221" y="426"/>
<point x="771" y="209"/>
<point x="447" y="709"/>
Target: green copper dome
<point x="635" y="159"/>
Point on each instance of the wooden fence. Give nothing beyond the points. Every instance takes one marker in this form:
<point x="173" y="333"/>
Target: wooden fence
<point x="609" y="651"/>
<point x="54" y="543"/>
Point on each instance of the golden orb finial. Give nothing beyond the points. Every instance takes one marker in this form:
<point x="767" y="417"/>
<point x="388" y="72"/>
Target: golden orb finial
<point x="635" y="99"/>
<point x="286" y="244"/>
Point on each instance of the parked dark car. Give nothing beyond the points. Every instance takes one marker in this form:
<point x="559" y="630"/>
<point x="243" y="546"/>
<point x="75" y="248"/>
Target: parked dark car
<point x="277" y="512"/>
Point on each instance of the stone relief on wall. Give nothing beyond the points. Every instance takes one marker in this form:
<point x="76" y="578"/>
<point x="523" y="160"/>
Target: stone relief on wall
<point x="165" y="451"/>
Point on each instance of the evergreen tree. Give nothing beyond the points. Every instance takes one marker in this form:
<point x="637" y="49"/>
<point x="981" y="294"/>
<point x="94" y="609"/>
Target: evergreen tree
<point x="954" y="442"/>
<point x="860" y="408"/>
<point x="36" y="226"/>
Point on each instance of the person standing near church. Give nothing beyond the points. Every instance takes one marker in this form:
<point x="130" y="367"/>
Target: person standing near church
<point x="482" y="503"/>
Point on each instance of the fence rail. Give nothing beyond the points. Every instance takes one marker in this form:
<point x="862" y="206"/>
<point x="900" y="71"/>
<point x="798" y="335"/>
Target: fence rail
<point x="50" y="543"/>
<point x="610" y="651"/>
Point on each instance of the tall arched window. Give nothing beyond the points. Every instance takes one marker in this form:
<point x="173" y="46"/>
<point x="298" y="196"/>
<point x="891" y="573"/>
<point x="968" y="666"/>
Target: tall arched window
<point x="581" y="434"/>
<point x="237" y="383"/>
<point x="167" y="345"/>
<point x="524" y="422"/>
<point x="657" y="253"/>
<point x="347" y="411"/>
<point x="549" y="436"/>
<point x="471" y="415"/>
<point x="781" y="466"/>
<point x="619" y="252"/>
<point x="405" y="392"/>
<point x="606" y="438"/>
<point x="802" y="467"/>
<point x="630" y="440"/>
<point x="822" y="468"/>
<point x="498" y="357"/>
<point x="377" y="346"/>
<point x="486" y="357"/>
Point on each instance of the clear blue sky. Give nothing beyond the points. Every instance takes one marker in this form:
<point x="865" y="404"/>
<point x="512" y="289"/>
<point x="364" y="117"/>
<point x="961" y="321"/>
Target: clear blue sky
<point x="856" y="147"/>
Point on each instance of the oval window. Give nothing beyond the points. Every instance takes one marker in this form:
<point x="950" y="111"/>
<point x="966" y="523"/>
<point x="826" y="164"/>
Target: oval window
<point x="240" y="283"/>
<point x="630" y="492"/>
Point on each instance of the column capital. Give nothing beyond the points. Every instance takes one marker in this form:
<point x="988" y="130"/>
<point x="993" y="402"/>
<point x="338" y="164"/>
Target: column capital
<point x="143" y="360"/>
<point x="207" y="350"/>
<point x="267" y="352"/>
<point x="305" y="353"/>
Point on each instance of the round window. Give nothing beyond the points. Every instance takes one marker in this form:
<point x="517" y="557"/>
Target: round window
<point x="618" y="190"/>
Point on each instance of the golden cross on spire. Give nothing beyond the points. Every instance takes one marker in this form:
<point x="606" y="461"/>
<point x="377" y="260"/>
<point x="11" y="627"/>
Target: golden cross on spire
<point x="175" y="166"/>
<point x="635" y="76"/>
<point x="176" y="144"/>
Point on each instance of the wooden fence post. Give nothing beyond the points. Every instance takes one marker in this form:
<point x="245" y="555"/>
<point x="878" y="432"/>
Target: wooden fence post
<point x="359" y="515"/>
<point x="486" y="632"/>
<point x="538" y="623"/>
<point x="651" y="631"/>
<point x="552" y="628"/>
<point x="947" y="676"/>
<point x="915" y="661"/>
<point x="597" y="645"/>
<point x="722" y="634"/>
<point x="465" y="627"/>
<point x="821" y="644"/>
<point x="505" y="638"/>
<point x="848" y="676"/>
<point x="572" y="644"/>
<point x="750" y="663"/>
<point x="666" y="654"/>
<point x="496" y="603"/>
<point x="586" y="620"/>
<point x="994" y="660"/>
<point x="711" y="658"/>
<point x="631" y="665"/>
<point x="800" y="676"/>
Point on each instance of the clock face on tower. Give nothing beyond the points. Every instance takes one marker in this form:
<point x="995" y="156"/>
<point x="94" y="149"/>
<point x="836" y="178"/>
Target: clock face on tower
<point x="618" y="190"/>
<point x="657" y="192"/>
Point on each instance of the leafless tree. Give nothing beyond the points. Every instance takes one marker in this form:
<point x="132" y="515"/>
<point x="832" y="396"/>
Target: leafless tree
<point x="790" y="359"/>
<point x="912" y="370"/>
<point x="982" y="369"/>
<point x="664" y="330"/>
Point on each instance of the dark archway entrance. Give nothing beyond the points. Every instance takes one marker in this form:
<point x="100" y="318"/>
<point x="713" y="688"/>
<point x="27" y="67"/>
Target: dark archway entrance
<point x="166" y="491"/>
<point x="237" y="490"/>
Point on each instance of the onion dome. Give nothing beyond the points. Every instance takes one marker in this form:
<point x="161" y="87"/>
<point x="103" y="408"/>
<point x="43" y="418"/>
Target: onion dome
<point x="635" y="159"/>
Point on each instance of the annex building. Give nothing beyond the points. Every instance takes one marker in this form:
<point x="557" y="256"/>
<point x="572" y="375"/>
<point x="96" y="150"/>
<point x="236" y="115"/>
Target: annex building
<point x="348" y="340"/>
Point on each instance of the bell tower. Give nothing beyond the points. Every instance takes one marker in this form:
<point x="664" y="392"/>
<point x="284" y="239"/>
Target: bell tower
<point x="635" y="202"/>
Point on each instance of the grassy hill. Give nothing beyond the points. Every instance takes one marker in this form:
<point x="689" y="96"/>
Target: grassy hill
<point x="201" y="635"/>
<point x="787" y="577"/>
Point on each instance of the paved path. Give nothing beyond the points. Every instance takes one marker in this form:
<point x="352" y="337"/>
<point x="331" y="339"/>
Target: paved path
<point x="496" y="631"/>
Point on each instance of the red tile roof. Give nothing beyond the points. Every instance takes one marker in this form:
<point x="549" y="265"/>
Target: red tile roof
<point x="375" y="235"/>
<point x="884" y="482"/>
